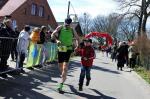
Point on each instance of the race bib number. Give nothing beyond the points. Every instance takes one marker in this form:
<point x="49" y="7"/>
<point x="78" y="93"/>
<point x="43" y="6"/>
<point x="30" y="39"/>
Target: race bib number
<point x="62" y="48"/>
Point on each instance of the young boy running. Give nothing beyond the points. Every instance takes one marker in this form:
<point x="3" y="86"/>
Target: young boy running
<point x="87" y="55"/>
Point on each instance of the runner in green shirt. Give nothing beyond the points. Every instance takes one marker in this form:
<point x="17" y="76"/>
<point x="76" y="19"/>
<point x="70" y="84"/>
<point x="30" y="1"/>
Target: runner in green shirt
<point x="64" y="36"/>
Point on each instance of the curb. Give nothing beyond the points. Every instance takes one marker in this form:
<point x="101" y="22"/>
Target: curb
<point x="146" y="84"/>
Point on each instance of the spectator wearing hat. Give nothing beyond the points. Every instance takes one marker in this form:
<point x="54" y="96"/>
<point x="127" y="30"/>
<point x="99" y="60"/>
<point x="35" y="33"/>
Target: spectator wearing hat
<point x="64" y="35"/>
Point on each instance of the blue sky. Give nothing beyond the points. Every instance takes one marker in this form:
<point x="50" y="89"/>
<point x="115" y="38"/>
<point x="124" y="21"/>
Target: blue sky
<point x="93" y="7"/>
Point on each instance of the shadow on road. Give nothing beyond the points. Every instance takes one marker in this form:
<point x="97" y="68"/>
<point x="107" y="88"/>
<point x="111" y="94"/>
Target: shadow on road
<point x="105" y="70"/>
<point x="23" y="86"/>
<point x="89" y="96"/>
<point x="76" y="64"/>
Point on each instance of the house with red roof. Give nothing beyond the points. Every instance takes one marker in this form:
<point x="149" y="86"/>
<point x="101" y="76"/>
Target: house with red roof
<point x="28" y="12"/>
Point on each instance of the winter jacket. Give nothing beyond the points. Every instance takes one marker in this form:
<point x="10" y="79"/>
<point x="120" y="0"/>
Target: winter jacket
<point x="42" y="38"/>
<point x="6" y="40"/>
<point x="87" y="55"/>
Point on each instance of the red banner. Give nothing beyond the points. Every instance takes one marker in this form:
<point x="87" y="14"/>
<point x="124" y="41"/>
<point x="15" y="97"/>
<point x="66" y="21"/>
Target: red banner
<point x="109" y="39"/>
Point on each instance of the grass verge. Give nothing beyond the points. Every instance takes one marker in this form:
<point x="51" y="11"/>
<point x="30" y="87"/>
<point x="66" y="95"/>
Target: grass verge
<point x="145" y="74"/>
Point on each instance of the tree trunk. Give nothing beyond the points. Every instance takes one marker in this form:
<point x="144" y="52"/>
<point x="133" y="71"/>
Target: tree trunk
<point x="143" y="28"/>
<point x="140" y="24"/>
<point x="140" y="19"/>
<point x="145" y="16"/>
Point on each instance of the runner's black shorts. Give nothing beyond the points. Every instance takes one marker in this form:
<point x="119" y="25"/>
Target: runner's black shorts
<point x="64" y="56"/>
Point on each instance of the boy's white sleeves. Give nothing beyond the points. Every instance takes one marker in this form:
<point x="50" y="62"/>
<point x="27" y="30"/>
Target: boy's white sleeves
<point x="23" y="42"/>
<point x="20" y="45"/>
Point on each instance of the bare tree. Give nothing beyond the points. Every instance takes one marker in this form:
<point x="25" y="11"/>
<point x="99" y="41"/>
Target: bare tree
<point x="138" y="8"/>
<point x="107" y="23"/>
<point x="100" y="24"/>
<point x="85" y="22"/>
<point x="128" y="28"/>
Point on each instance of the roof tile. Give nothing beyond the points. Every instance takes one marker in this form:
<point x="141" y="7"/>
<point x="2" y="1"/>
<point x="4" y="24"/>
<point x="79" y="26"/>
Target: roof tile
<point x="11" y="6"/>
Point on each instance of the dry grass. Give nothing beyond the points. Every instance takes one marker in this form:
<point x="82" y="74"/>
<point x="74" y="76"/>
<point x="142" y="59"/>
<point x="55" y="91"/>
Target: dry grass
<point x="142" y="45"/>
<point x="145" y="74"/>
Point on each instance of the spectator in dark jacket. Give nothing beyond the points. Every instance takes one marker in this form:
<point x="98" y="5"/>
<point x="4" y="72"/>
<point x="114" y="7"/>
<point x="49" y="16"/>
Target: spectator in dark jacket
<point x="6" y="36"/>
<point x="114" y="52"/>
<point x="14" y="50"/>
<point x="121" y="56"/>
<point x="126" y="52"/>
<point x="42" y="35"/>
<point x="43" y="49"/>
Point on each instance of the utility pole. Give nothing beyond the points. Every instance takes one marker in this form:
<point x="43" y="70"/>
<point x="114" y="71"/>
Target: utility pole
<point x="68" y="9"/>
<point x="85" y="25"/>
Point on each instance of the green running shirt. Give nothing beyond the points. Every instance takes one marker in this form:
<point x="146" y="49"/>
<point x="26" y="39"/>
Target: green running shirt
<point x="66" y="37"/>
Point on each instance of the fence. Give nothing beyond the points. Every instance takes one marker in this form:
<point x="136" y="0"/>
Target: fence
<point x="8" y="48"/>
<point x="144" y="61"/>
<point x="35" y="53"/>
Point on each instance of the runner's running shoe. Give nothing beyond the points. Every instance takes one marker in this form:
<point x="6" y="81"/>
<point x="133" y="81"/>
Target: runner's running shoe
<point x="60" y="88"/>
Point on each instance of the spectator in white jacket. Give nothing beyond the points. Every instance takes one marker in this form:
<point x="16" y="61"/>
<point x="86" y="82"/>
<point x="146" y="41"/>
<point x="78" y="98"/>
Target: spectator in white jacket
<point x="22" y="46"/>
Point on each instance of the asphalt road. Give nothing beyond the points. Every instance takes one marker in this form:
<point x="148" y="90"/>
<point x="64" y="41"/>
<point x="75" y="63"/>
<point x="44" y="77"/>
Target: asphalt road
<point x="107" y="83"/>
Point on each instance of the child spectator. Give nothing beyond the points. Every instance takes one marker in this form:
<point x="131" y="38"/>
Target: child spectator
<point x="22" y="46"/>
<point x="87" y="55"/>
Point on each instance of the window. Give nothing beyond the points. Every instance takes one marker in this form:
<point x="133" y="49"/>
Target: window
<point x="33" y="9"/>
<point x="48" y="17"/>
<point x="14" y="23"/>
<point x="25" y="11"/>
<point x="41" y="11"/>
